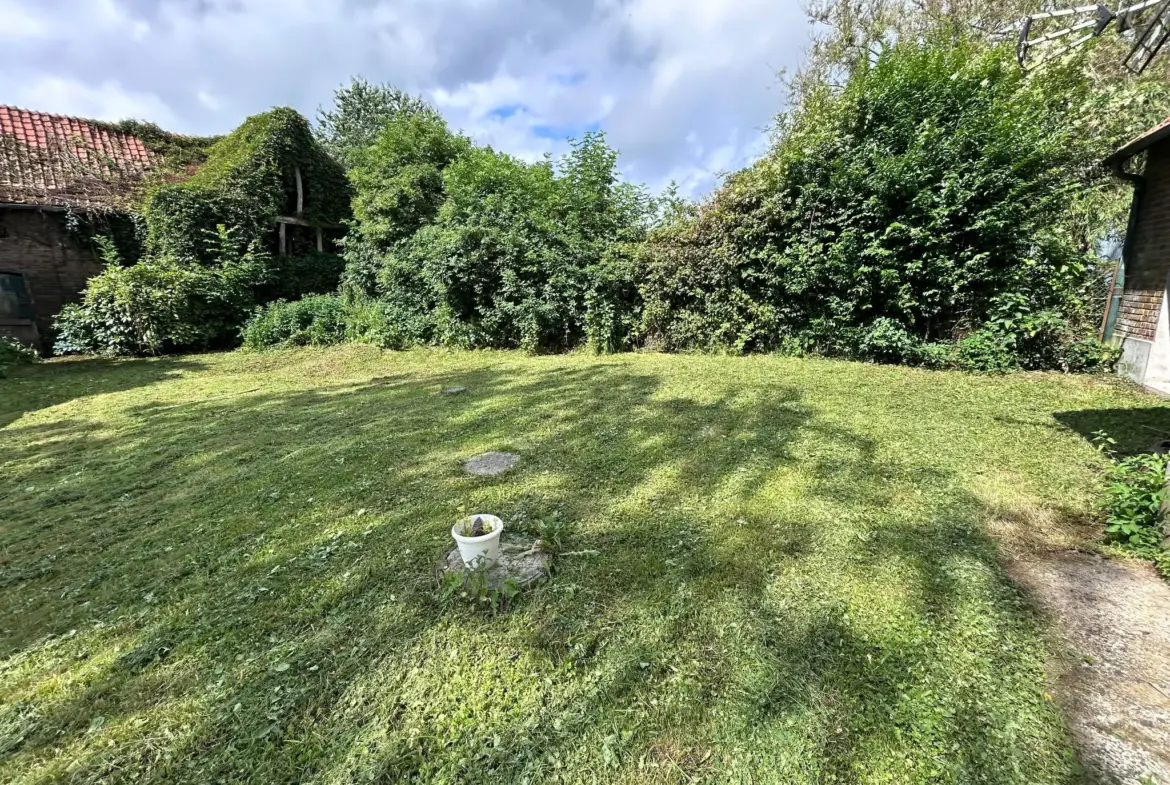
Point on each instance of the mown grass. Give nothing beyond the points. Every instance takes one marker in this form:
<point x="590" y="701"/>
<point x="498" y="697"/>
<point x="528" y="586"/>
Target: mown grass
<point x="222" y="568"/>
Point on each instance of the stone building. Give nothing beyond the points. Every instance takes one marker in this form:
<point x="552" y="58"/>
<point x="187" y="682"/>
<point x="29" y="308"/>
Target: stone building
<point x="52" y="168"/>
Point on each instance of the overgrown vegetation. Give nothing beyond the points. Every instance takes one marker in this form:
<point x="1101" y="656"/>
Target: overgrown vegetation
<point x="927" y="202"/>
<point x="1134" y="501"/>
<point x="249" y="178"/>
<point x="163" y="303"/>
<point x="208" y="240"/>
<point x="472" y="248"/>
<point x="939" y="209"/>
<point x="13" y="352"/>
<point x="923" y="202"/>
<point x="777" y="572"/>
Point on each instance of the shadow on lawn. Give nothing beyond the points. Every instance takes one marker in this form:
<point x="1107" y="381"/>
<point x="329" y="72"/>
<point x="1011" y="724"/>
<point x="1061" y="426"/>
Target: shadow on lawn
<point x="252" y="582"/>
<point x="29" y="388"/>
<point x="1135" y="430"/>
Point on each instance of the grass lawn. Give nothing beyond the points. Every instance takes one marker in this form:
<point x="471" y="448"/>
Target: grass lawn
<point x="222" y="568"/>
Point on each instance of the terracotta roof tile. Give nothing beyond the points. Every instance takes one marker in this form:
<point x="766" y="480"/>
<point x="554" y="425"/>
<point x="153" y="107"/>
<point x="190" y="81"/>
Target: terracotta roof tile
<point x="48" y="159"/>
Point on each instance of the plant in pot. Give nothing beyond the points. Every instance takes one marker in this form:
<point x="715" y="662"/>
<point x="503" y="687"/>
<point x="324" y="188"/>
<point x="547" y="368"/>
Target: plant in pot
<point x="478" y="539"/>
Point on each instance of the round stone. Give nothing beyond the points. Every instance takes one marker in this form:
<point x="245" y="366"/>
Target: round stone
<point x="520" y="561"/>
<point x="491" y="463"/>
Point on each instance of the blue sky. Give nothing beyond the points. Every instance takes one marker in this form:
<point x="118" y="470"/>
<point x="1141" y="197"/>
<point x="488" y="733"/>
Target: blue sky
<point x="684" y="88"/>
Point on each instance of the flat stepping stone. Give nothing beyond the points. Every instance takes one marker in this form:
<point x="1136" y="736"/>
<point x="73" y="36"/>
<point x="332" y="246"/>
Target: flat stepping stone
<point x="490" y="464"/>
<point x="452" y="390"/>
<point x="518" y="562"/>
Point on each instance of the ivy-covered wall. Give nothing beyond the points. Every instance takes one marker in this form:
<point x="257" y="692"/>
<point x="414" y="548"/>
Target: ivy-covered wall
<point x="248" y="178"/>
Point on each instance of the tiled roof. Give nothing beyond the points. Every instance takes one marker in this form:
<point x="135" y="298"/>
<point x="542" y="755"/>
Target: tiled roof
<point x="47" y="159"/>
<point x="1135" y="146"/>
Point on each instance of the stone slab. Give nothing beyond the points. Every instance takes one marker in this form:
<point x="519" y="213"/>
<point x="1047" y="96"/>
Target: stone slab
<point x="489" y="464"/>
<point x="518" y="562"/>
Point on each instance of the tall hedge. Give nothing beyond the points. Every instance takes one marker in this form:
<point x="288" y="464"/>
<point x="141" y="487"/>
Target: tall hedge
<point x="930" y="197"/>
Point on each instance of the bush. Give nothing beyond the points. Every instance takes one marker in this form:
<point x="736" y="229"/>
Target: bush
<point x="13" y="352"/>
<point x="886" y="341"/>
<point x="1136" y="491"/>
<point x="317" y="320"/>
<point x="161" y="304"/>
<point x="386" y="325"/>
<point x="929" y="199"/>
<point x="502" y="254"/>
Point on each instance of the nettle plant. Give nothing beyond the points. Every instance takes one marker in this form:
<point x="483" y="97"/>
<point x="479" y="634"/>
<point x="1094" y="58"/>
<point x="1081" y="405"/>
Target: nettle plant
<point x="1133" y="500"/>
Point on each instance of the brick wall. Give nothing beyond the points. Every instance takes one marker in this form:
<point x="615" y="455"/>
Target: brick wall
<point x="1147" y="271"/>
<point x="54" y="267"/>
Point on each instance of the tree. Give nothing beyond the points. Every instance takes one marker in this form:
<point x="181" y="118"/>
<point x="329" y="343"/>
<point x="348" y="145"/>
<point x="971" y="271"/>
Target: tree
<point x="928" y="198"/>
<point x="360" y="111"/>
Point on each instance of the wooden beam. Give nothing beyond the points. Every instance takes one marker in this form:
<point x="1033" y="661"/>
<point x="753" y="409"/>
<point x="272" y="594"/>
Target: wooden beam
<point x="286" y="219"/>
<point x="320" y="240"/>
<point x="283" y="240"/>
<point x="300" y="193"/>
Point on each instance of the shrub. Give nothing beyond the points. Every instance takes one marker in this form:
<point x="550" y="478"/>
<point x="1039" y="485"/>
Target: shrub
<point x="934" y="194"/>
<point x="317" y="320"/>
<point x="386" y="325"/>
<point x="1136" y="491"/>
<point x="162" y="304"/>
<point x="886" y="341"/>
<point x="517" y="256"/>
<point x="12" y="352"/>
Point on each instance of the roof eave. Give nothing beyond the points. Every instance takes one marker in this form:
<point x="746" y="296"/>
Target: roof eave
<point x="1140" y="144"/>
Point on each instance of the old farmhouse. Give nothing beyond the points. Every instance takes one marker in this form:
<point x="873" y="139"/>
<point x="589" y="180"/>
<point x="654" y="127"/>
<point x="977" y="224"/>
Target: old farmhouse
<point x="52" y="167"/>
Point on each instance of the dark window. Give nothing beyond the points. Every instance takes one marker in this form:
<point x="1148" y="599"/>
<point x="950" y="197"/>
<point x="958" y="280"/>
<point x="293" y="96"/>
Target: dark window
<point x="15" y="300"/>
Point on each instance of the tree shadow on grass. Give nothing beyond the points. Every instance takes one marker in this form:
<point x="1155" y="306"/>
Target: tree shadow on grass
<point x="31" y="388"/>
<point x="251" y="582"/>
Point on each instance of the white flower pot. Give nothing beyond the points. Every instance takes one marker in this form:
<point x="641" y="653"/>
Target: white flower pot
<point x="479" y="551"/>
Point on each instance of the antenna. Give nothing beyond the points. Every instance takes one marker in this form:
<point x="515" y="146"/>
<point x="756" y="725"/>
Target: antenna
<point x="1087" y="22"/>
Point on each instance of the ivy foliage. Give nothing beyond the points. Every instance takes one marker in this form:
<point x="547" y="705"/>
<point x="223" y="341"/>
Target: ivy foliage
<point x="247" y="180"/>
<point x="928" y="200"/>
<point x="175" y="153"/>
<point x="208" y="238"/>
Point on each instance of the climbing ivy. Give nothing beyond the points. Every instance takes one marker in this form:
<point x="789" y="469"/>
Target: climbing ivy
<point x="208" y="228"/>
<point x="247" y="179"/>
<point x="174" y="152"/>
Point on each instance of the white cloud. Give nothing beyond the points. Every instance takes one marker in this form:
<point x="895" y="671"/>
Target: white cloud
<point x="682" y="87"/>
<point x="19" y="23"/>
<point x="208" y="100"/>
<point x="106" y="101"/>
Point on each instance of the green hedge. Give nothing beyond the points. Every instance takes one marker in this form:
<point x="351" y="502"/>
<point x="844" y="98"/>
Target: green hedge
<point x="929" y="201"/>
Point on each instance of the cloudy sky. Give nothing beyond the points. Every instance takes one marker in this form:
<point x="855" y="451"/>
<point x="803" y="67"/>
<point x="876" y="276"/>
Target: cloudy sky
<point x="684" y="88"/>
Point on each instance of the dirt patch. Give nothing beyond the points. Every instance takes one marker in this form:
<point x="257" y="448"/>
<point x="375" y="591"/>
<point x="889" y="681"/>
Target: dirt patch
<point x="1113" y="680"/>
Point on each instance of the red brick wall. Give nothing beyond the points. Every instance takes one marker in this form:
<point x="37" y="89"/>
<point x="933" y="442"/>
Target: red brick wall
<point x="55" y="268"/>
<point x="1147" y="269"/>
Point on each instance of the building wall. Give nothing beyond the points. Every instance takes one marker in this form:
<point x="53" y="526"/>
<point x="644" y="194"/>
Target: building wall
<point x="1147" y="270"/>
<point x="55" y="268"/>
